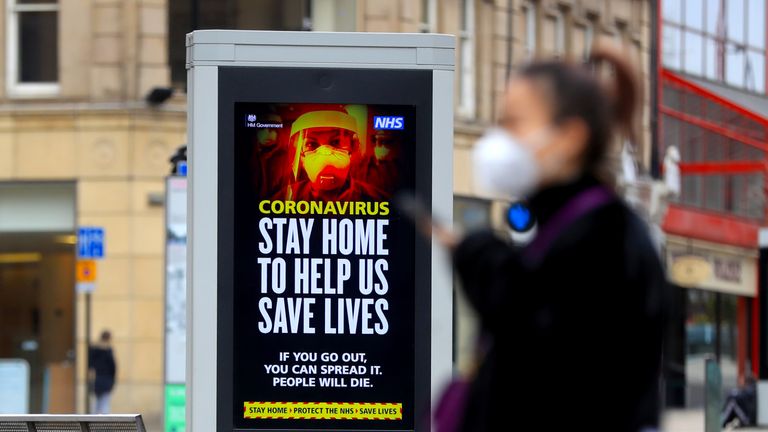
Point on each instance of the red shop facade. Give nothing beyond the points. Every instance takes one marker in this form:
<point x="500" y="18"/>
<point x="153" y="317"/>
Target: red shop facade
<point x="713" y="228"/>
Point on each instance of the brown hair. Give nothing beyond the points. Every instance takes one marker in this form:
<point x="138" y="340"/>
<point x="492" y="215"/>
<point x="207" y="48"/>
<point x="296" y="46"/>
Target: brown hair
<point x="581" y="91"/>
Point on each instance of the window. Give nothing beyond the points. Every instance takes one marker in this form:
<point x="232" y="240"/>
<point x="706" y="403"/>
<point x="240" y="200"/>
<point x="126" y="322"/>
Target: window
<point x="553" y="34"/>
<point x="621" y="35"/>
<point x="242" y="15"/>
<point x="589" y="37"/>
<point x="467" y="61"/>
<point x="558" y="36"/>
<point x="471" y="214"/>
<point x="529" y="26"/>
<point x="332" y="15"/>
<point x="729" y="190"/>
<point x="671" y="47"/>
<point x="693" y="56"/>
<point x="671" y="10"/>
<point x="32" y="63"/>
<point x="722" y="41"/>
<point x="428" y="23"/>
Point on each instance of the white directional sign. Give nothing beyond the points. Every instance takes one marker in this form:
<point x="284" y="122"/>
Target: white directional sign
<point x="14" y="386"/>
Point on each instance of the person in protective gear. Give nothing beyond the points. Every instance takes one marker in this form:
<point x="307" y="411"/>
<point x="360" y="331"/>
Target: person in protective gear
<point x="269" y="153"/>
<point x="381" y="165"/>
<point x="326" y="144"/>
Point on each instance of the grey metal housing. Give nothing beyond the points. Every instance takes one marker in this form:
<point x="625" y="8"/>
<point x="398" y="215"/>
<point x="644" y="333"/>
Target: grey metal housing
<point x="208" y="50"/>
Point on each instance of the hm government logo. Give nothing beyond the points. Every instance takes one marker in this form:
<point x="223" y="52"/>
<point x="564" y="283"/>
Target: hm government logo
<point x="250" y="120"/>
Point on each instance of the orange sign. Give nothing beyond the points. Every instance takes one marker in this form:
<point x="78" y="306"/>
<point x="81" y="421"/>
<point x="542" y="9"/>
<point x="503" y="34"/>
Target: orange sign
<point x="86" y="271"/>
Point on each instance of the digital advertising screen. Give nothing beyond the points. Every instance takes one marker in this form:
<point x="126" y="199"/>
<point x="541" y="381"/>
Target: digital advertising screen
<point x="324" y="293"/>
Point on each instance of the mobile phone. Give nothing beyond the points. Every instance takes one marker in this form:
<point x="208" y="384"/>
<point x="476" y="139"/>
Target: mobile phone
<point x="425" y="222"/>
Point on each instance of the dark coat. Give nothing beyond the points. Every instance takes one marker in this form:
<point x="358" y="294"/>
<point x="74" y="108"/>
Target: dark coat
<point x="575" y="340"/>
<point x="102" y="361"/>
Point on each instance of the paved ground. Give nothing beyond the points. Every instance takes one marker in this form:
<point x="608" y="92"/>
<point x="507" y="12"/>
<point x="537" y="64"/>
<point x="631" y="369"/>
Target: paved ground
<point x="691" y="421"/>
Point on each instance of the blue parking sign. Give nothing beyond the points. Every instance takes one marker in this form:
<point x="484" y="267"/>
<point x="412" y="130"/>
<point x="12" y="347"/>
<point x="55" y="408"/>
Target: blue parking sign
<point x="90" y="242"/>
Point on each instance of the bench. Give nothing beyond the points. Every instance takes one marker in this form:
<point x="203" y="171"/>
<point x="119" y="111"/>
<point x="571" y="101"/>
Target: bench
<point x="71" y="423"/>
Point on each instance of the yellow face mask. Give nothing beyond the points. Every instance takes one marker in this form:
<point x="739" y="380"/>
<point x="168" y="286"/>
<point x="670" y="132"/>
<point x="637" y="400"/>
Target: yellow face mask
<point x="327" y="167"/>
<point x="381" y="152"/>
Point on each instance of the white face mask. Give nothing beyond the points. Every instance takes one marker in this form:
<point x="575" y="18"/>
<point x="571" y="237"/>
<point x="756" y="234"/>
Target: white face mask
<point x="505" y="167"/>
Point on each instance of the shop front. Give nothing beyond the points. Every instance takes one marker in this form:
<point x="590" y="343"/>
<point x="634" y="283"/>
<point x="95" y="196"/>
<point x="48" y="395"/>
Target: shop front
<point x="711" y="109"/>
<point x="712" y="249"/>
<point x="715" y="285"/>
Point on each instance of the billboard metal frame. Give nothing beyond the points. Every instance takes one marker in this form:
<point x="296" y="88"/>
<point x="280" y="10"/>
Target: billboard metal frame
<point x="214" y="57"/>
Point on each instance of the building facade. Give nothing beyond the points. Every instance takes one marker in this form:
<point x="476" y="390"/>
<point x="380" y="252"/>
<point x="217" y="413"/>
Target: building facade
<point x="80" y="145"/>
<point x="713" y="111"/>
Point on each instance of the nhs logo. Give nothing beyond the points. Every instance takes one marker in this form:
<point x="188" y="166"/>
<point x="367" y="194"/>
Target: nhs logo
<point x="388" y="122"/>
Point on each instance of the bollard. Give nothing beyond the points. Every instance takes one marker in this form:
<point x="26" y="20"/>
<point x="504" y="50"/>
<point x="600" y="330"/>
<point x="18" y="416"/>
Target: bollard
<point x="712" y="395"/>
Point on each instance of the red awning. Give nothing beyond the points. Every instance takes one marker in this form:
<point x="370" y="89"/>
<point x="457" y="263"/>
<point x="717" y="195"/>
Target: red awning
<point x="709" y="226"/>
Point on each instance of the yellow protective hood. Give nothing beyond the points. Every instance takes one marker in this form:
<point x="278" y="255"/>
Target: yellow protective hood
<point x="321" y="119"/>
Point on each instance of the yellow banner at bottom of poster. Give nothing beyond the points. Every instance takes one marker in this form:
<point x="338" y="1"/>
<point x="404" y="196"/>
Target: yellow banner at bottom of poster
<point x="323" y="410"/>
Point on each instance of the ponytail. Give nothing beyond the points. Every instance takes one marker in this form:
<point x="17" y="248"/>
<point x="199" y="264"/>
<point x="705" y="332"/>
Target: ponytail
<point x="624" y="90"/>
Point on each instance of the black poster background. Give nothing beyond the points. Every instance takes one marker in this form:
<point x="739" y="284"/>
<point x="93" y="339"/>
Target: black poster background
<point x="394" y="351"/>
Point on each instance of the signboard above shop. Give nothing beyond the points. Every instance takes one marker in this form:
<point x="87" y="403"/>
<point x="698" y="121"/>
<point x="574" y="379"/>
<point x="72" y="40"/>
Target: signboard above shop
<point x="710" y="266"/>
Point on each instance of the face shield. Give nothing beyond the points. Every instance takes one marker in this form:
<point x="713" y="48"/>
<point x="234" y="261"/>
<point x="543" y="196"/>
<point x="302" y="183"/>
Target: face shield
<point x="324" y="141"/>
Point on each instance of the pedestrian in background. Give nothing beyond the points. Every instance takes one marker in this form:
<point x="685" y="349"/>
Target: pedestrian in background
<point x="102" y="371"/>
<point x="574" y="320"/>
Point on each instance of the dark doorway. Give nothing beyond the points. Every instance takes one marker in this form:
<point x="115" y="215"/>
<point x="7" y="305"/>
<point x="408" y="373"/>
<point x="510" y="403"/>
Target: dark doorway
<point x="37" y="314"/>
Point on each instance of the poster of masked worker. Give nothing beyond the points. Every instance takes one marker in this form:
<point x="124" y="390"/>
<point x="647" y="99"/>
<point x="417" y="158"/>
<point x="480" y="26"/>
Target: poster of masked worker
<point x="326" y="152"/>
<point x="324" y="286"/>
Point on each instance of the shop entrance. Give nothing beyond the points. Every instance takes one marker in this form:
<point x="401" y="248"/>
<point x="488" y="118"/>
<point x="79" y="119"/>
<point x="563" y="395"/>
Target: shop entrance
<point x="37" y="295"/>
<point x="37" y="314"/>
<point x="712" y="329"/>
